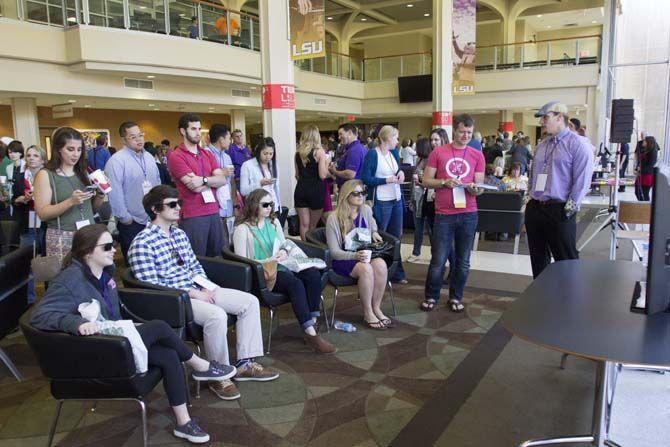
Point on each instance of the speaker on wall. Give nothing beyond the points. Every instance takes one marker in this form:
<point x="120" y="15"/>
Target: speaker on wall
<point x="621" y="125"/>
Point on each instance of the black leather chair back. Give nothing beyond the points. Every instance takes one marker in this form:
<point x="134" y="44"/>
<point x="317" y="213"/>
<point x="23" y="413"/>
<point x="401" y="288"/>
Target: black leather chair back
<point x="500" y="212"/>
<point x="14" y="276"/>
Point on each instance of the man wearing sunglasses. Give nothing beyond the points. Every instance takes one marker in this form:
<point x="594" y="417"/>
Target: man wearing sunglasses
<point x="132" y="172"/>
<point x="161" y="254"/>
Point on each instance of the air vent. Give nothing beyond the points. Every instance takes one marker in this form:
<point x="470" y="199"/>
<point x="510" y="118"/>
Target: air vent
<point x="320" y="101"/>
<point x="570" y="25"/>
<point x="241" y="93"/>
<point x="141" y="84"/>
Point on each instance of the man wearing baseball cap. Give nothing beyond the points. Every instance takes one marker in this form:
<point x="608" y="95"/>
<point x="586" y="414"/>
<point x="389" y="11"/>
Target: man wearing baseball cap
<point x="560" y="178"/>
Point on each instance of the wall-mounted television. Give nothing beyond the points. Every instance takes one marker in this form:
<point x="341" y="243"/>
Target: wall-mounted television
<point x="415" y="88"/>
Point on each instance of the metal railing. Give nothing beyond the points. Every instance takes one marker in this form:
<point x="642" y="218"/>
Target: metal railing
<point x="172" y="17"/>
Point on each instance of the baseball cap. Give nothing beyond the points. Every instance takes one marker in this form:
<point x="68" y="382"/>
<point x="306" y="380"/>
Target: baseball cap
<point x="552" y="107"/>
<point x="6" y="140"/>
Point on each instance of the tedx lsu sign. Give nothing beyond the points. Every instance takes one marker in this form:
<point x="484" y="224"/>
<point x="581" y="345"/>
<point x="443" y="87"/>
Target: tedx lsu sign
<point x="278" y="96"/>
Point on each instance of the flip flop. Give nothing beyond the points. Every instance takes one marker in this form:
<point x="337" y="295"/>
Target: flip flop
<point x="456" y="306"/>
<point x="428" y="305"/>
<point x="376" y="325"/>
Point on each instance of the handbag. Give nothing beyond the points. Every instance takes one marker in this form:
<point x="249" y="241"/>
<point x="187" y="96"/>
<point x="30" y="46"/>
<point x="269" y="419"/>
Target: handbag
<point x="381" y="249"/>
<point x="269" y="267"/>
<point x="46" y="268"/>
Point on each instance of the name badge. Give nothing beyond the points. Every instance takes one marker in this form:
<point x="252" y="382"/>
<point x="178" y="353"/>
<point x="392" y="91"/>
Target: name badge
<point x="146" y="187"/>
<point x="208" y="196"/>
<point x="459" y="197"/>
<point x="541" y="182"/>
<point x="82" y="223"/>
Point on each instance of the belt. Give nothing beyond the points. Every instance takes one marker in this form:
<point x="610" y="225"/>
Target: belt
<point x="547" y="202"/>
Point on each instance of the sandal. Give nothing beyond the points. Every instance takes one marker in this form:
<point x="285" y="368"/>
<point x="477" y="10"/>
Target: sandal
<point x="456" y="306"/>
<point x="376" y="325"/>
<point x="428" y="305"/>
<point x="388" y="322"/>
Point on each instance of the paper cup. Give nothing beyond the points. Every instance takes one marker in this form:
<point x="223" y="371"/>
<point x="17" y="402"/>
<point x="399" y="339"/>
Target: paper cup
<point x="368" y="256"/>
<point x="3" y="179"/>
<point x="99" y="179"/>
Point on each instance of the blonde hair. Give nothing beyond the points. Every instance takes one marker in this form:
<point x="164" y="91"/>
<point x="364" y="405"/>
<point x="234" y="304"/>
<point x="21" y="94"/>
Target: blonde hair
<point x="310" y="140"/>
<point x="343" y="211"/>
<point x="40" y="151"/>
<point x="386" y="133"/>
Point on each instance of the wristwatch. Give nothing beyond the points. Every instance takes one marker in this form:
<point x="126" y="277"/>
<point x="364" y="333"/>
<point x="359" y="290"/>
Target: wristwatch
<point x="204" y="180"/>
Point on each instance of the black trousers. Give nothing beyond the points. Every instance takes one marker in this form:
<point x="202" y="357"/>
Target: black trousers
<point x="549" y="233"/>
<point x="126" y="235"/>
<point x="304" y="291"/>
<point x="167" y="351"/>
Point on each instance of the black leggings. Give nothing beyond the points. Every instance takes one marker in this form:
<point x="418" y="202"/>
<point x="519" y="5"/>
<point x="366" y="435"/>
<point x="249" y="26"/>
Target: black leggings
<point x="304" y="291"/>
<point x="167" y="351"/>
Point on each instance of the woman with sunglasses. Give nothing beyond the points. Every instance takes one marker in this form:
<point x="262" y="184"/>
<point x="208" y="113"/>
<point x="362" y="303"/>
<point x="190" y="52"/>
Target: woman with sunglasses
<point x="64" y="196"/>
<point x="88" y="273"/>
<point x="255" y="238"/>
<point x="352" y="217"/>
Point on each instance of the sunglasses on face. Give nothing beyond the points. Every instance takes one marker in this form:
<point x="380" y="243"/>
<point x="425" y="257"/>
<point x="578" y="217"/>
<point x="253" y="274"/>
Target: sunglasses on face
<point x="106" y="247"/>
<point x="268" y="204"/>
<point x="173" y="204"/>
<point x="358" y="193"/>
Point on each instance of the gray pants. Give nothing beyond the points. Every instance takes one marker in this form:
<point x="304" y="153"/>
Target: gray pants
<point x="205" y="234"/>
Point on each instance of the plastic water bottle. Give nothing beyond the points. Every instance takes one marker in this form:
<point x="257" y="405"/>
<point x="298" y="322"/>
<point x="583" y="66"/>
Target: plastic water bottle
<point x="345" y="327"/>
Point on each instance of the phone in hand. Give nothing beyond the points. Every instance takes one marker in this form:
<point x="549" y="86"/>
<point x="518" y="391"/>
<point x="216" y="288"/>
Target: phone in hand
<point x="91" y="188"/>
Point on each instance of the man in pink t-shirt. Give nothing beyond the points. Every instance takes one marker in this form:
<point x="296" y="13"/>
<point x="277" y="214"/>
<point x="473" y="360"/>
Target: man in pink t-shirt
<point x="453" y="170"/>
<point x="197" y="175"/>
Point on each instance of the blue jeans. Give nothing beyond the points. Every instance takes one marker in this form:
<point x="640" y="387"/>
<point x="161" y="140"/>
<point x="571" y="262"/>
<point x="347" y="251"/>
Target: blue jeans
<point x="419" y="224"/>
<point x="37" y="236"/>
<point x="388" y="214"/>
<point x="457" y="230"/>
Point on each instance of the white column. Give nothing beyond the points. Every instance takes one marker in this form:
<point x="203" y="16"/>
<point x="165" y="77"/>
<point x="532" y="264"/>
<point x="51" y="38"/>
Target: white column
<point x="26" y="127"/>
<point x="603" y="102"/>
<point x="238" y="121"/>
<point x="443" y="101"/>
<point x="278" y="90"/>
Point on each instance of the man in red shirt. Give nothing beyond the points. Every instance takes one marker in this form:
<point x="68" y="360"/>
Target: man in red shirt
<point x="197" y="175"/>
<point x="453" y="170"/>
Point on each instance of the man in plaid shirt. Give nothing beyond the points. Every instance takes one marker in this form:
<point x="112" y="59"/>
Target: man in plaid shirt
<point x="161" y="254"/>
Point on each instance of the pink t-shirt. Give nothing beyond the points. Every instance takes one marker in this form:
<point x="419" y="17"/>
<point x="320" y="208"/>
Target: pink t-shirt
<point x="182" y="162"/>
<point x="455" y="163"/>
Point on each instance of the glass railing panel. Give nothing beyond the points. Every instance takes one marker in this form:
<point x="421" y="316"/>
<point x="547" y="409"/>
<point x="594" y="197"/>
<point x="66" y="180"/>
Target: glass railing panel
<point x="180" y="16"/>
<point x="319" y="65"/>
<point x="215" y="24"/>
<point x="390" y="67"/>
<point x="49" y="12"/>
<point x="244" y="37"/>
<point x="147" y="15"/>
<point x="113" y="13"/>
<point x="256" y="32"/>
<point x="372" y="69"/>
<point x="71" y="13"/>
<point x="8" y="9"/>
<point x="411" y="65"/>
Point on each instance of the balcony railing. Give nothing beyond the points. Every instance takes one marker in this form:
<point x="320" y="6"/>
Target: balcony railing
<point x="172" y="17"/>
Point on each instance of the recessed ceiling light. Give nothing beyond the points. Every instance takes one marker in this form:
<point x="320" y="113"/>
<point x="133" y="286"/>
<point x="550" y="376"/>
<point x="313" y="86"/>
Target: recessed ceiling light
<point x="156" y="110"/>
<point x="329" y="18"/>
<point x="594" y="21"/>
<point x="143" y="7"/>
<point x="409" y="5"/>
<point x="427" y="14"/>
<point x="363" y="19"/>
<point x="72" y="19"/>
<point x="539" y="16"/>
<point x="152" y="105"/>
<point x="71" y="101"/>
<point x="182" y="15"/>
<point x="87" y="105"/>
<point x="151" y="76"/>
<point x="483" y="111"/>
<point x="548" y="26"/>
<point x="252" y="88"/>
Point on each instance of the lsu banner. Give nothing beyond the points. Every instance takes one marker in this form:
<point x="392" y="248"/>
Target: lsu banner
<point x="308" y="29"/>
<point x="464" y="48"/>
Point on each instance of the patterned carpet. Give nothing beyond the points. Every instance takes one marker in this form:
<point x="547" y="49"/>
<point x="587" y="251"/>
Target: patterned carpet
<point x="362" y="396"/>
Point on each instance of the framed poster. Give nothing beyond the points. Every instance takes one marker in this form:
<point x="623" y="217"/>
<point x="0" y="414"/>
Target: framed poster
<point x="91" y="134"/>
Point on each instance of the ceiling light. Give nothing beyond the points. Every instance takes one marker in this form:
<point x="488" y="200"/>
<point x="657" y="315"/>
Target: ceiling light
<point x="87" y="105"/>
<point x="72" y="19"/>
<point x="182" y="15"/>
<point x="539" y="16"/>
<point x="409" y="5"/>
<point x="427" y="14"/>
<point x="252" y="88"/>
<point x="548" y="26"/>
<point x="483" y="111"/>
<point x="152" y="105"/>
<point x="329" y="18"/>
<point x="594" y="21"/>
<point x="363" y="19"/>
<point x="156" y="110"/>
<point x="71" y="101"/>
<point x="143" y="7"/>
<point x="151" y="76"/>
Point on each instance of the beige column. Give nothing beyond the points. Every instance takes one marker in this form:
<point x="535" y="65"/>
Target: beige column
<point x="26" y="127"/>
<point x="443" y="101"/>
<point x="278" y="90"/>
<point x="237" y="121"/>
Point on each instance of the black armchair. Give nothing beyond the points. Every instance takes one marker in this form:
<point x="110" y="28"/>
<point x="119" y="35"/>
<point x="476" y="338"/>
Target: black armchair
<point x="273" y="300"/>
<point x="318" y="236"/>
<point x="95" y="367"/>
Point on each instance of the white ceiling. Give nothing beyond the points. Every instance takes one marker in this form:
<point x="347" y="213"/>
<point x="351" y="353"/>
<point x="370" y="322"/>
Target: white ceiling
<point x="558" y="20"/>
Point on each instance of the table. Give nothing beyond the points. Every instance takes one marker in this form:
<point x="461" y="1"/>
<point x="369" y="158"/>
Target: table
<point x="581" y="307"/>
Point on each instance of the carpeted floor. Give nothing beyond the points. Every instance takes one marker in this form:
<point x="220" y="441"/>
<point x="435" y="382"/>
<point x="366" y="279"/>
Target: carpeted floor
<point x="365" y="395"/>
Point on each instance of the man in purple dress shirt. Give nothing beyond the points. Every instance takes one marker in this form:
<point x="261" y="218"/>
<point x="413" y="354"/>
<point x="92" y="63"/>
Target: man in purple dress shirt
<point x="560" y="178"/>
<point x="239" y="153"/>
<point x="350" y="164"/>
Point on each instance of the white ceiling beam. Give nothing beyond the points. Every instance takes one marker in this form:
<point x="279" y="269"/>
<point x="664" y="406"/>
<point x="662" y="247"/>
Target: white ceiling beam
<point x="388" y="3"/>
<point x="357" y="7"/>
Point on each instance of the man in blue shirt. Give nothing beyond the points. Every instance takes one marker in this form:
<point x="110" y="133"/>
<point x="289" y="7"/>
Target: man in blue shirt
<point x="350" y="164"/>
<point x="132" y="172"/>
<point x="219" y="137"/>
<point x="98" y="156"/>
<point x="476" y="142"/>
<point x="239" y="152"/>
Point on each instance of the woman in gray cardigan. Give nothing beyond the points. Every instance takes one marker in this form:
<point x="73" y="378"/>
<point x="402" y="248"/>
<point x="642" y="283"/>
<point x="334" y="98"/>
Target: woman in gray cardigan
<point x="354" y="216"/>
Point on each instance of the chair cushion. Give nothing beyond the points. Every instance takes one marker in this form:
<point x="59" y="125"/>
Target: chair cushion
<point x="136" y="386"/>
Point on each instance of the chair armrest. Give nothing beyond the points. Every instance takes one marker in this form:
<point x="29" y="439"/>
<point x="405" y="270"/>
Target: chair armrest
<point x="314" y="251"/>
<point x="226" y="273"/>
<point x="144" y="305"/>
<point x="393" y="240"/>
<point x="257" y="276"/>
<point x="65" y="356"/>
<point x="130" y="281"/>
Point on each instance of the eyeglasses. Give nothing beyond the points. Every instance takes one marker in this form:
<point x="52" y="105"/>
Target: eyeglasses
<point x="106" y="247"/>
<point x="136" y="137"/>
<point x="173" y="204"/>
<point x="268" y="204"/>
<point x="358" y="193"/>
<point x="178" y="258"/>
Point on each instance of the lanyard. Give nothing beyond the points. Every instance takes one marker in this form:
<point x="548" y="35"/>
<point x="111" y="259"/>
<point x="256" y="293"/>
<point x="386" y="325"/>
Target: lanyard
<point x="72" y="185"/>
<point x="388" y="163"/>
<point x="549" y="155"/>
<point x="143" y="164"/>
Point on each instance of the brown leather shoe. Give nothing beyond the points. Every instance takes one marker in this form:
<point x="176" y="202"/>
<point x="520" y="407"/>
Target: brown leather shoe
<point x="319" y="345"/>
<point x="225" y="389"/>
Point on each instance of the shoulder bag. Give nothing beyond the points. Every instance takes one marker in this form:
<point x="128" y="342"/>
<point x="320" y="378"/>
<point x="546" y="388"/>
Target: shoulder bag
<point x="46" y="268"/>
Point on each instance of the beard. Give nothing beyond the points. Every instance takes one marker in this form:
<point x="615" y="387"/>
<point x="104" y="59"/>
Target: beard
<point x="193" y="140"/>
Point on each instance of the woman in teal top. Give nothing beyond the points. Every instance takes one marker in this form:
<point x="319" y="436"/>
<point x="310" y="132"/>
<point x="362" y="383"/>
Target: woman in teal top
<point x="62" y="199"/>
<point x="259" y="237"/>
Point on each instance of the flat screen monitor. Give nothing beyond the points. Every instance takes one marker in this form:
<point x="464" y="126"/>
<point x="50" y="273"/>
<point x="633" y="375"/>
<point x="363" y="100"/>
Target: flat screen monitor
<point x="415" y="88"/>
<point x="658" y="266"/>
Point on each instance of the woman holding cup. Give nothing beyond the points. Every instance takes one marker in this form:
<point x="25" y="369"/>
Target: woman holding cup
<point x="353" y="218"/>
<point x="64" y="197"/>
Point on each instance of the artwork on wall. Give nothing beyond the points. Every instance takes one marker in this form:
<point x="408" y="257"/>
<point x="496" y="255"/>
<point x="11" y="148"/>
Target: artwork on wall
<point x="91" y="134"/>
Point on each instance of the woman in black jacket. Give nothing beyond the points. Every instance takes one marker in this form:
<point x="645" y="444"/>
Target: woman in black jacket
<point x="88" y="274"/>
<point x="646" y="158"/>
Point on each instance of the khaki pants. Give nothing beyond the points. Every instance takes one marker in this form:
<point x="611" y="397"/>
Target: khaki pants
<point x="214" y="319"/>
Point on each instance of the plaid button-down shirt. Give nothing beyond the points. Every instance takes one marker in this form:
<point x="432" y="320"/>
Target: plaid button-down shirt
<point x="162" y="260"/>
